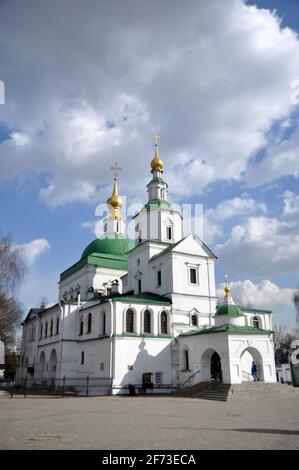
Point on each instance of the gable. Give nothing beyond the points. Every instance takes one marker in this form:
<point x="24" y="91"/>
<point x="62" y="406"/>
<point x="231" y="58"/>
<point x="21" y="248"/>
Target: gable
<point x="193" y="245"/>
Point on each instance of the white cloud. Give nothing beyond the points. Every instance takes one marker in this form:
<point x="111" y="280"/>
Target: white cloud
<point x="19" y="139"/>
<point x="212" y="78"/>
<point x="32" y="250"/>
<point x="228" y="209"/>
<point x="266" y="295"/>
<point x="291" y="206"/>
<point x="282" y="159"/>
<point x="262" y="246"/>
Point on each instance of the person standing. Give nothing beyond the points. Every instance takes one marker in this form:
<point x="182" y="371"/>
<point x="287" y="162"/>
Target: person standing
<point x="254" y="371"/>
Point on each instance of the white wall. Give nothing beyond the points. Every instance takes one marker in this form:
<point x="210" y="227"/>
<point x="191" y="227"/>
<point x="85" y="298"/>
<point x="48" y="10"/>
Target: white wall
<point x="144" y="355"/>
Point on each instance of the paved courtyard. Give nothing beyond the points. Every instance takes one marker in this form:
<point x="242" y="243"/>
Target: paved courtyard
<point x="147" y="423"/>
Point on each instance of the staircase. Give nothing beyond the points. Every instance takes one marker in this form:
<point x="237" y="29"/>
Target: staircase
<point x="206" y="391"/>
<point x="246" y="391"/>
<point x="256" y="390"/>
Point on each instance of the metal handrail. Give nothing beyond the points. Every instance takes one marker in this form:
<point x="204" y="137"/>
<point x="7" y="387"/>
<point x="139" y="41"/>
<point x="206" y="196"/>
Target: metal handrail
<point x="247" y="374"/>
<point x="191" y="376"/>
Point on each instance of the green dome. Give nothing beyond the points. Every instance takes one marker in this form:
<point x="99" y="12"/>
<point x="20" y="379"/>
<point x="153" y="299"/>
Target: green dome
<point x="229" y="309"/>
<point x="110" y="246"/>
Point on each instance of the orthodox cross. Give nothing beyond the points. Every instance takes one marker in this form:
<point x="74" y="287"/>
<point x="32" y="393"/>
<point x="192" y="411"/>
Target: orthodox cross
<point x="116" y="169"/>
<point x="156" y="137"/>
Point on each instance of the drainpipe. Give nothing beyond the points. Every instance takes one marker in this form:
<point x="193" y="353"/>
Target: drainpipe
<point x="62" y="308"/>
<point x="112" y="307"/>
<point x="209" y="285"/>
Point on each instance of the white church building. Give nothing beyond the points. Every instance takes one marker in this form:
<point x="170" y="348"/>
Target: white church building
<point x="145" y="312"/>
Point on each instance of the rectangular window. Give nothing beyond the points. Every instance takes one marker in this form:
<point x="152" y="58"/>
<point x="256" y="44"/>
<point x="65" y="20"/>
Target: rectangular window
<point x="139" y="286"/>
<point x="102" y="366"/>
<point x="169" y="233"/>
<point x="159" y="278"/>
<point x="193" y="276"/>
<point x="159" y="378"/>
<point x="82" y="357"/>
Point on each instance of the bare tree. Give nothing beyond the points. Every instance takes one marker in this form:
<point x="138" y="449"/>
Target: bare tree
<point x="12" y="270"/>
<point x="283" y="338"/>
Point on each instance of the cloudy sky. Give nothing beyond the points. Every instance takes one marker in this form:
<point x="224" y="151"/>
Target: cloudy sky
<point x="87" y="82"/>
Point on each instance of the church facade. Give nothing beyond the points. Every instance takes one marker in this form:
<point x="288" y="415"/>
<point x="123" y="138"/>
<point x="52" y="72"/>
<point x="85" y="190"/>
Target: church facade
<point x="145" y="312"/>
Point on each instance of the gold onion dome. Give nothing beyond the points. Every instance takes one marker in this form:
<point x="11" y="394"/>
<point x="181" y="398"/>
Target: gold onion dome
<point x="227" y="290"/>
<point x="115" y="202"/>
<point x="157" y="164"/>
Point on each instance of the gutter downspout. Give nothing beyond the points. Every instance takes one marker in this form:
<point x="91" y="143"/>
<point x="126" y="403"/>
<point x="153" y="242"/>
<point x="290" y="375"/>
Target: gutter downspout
<point x="62" y="308"/>
<point x="112" y="344"/>
<point x="209" y="285"/>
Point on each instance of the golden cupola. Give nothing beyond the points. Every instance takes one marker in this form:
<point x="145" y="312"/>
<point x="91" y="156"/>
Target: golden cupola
<point x="114" y="201"/>
<point x="156" y="163"/>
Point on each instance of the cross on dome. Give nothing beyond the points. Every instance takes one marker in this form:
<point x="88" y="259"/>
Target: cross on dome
<point x="116" y="169"/>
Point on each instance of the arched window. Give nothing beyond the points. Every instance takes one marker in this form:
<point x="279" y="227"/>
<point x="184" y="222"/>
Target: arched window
<point x="81" y="327"/>
<point x="164" y="326"/>
<point x="255" y="322"/>
<point x="147" y="322"/>
<point x="41" y="331"/>
<point x="57" y="325"/>
<point x="129" y="321"/>
<point x="46" y="330"/>
<point x="104" y="324"/>
<point x="51" y="328"/>
<point x="186" y="359"/>
<point x="89" y="323"/>
<point x="194" y="320"/>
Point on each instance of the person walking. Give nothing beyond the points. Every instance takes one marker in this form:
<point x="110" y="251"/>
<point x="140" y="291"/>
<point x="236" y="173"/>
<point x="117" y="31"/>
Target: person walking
<point x="254" y="371"/>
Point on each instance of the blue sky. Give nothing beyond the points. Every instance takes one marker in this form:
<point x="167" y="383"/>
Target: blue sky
<point x="215" y="80"/>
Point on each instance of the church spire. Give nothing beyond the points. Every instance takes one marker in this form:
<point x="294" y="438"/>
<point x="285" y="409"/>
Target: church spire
<point x="157" y="164"/>
<point x="114" y="223"/>
<point x="114" y="202"/>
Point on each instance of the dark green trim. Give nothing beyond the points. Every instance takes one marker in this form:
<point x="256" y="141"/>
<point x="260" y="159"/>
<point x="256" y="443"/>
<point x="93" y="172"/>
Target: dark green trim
<point x="142" y="299"/>
<point x="253" y="310"/>
<point x="231" y="329"/>
<point x="136" y="335"/>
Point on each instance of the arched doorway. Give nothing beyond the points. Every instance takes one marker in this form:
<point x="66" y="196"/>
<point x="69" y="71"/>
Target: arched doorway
<point x="216" y="372"/>
<point x="211" y="365"/>
<point x="41" y="366"/>
<point x="248" y="356"/>
<point x="52" y="365"/>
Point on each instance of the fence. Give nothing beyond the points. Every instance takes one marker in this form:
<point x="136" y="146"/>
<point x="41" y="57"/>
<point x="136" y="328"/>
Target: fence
<point x="84" y="386"/>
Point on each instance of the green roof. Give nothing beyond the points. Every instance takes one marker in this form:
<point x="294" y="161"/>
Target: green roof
<point x="157" y="179"/>
<point x="229" y="309"/>
<point x="231" y="329"/>
<point x="108" y="252"/>
<point x="155" y="204"/>
<point x="118" y="245"/>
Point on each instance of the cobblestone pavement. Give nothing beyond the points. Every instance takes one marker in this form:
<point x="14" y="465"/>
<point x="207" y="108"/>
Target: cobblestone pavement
<point x="147" y="423"/>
